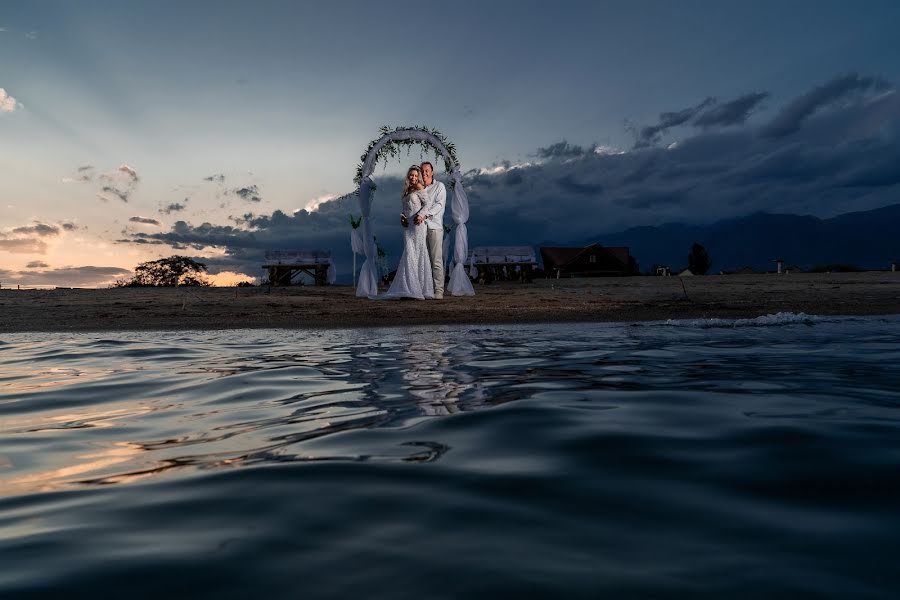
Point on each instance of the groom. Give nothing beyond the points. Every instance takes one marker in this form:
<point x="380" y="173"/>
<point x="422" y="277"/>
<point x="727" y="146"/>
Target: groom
<point x="434" y="219"/>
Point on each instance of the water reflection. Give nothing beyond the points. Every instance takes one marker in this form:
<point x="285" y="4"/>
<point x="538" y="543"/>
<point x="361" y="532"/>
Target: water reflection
<point x="438" y="377"/>
<point x="81" y="411"/>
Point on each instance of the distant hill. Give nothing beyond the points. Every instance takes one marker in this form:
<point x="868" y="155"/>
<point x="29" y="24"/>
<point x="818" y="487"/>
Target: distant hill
<point x="868" y="240"/>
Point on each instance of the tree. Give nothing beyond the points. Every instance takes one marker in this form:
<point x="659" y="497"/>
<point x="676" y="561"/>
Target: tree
<point x="168" y="272"/>
<point x="698" y="260"/>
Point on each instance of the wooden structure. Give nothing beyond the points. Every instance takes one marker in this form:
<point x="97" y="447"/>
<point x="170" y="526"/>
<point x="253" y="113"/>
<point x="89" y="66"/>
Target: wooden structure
<point x="502" y="263"/>
<point x="591" y="261"/>
<point x="285" y="265"/>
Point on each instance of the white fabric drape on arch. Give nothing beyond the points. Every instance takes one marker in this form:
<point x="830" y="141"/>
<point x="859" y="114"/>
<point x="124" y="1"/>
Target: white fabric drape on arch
<point x="368" y="275"/>
<point x="356" y="241"/>
<point x="459" y="280"/>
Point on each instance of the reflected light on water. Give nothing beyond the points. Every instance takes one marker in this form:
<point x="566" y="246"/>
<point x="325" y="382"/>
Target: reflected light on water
<point x="80" y="465"/>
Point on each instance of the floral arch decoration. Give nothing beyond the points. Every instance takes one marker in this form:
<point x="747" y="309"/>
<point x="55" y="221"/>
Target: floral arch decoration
<point x="389" y="145"/>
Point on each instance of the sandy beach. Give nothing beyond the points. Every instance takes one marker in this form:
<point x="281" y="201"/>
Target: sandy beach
<point x="545" y="301"/>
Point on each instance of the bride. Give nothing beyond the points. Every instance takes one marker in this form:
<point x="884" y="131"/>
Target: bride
<point x="413" y="278"/>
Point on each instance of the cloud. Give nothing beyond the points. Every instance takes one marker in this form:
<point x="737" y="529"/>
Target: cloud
<point x="78" y="179"/>
<point x="39" y="229"/>
<point x="36" y="264"/>
<point x="249" y="193"/>
<point x="244" y="219"/>
<point x="85" y="174"/>
<point x="735" y="112"/>
<point x="651" y="134"/>
<point x="838" y="160"/>
<point x="315" y="203"/>
<point x="707" y="114"/>
<point x="844" y="89"/>
<point x="23" y="246"/>
<point x="109" y="189"/>
<point x="145" y="221"/>
<point x="68" y="226"/>
<point x="570" y="184"/>
<point x="560" y="150"/>
<point x="86" y="276"/>
<point x="129" y="171"/>
<point x="7" y="102"/>
<point x="118" y="184"/>
<point x="174" y="207"/>
<point x="217" y="178"/>
<point x="27" y="239"/>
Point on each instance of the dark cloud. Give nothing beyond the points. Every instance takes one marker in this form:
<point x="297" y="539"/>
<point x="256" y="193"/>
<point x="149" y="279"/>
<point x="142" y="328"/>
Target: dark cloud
<point x="85" y="168"/>
<point x="145" y="221"/>
<point x="839" y="90"/>
<point x="735" y="112"/>
<point x="570" y="183"/>
<point x="839" y="160"/>
<point x="217" y="178"/>
<point x="138" y="238"/>
<point x="36" y="264"/>
<point x="175" y="207"/>
<point x="39" y="229"/>
<point x="249" y="193"/>
<point x="244" y="219"/>
<point x="560" y="150"/>
<point x="68" y="226"/>
<point x="651" y="134"/>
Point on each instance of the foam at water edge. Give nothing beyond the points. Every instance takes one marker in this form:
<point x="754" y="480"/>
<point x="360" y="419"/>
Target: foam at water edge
<point x="778" y="319"/>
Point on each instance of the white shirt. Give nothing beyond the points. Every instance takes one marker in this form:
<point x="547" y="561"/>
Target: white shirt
<point x="437" y="201"/>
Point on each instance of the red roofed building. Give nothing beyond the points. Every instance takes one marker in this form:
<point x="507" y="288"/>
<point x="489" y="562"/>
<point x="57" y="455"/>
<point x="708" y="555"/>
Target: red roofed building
<point x="591" y="261"/>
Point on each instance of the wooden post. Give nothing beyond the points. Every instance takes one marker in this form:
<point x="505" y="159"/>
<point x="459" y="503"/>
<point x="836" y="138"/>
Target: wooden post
<point x="779" y="262"/>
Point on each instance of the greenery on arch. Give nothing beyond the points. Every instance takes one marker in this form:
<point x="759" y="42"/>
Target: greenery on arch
<point x="392" y="149"/>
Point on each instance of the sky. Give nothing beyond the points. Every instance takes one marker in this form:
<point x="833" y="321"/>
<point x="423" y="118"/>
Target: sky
<point x="131" y="131"/>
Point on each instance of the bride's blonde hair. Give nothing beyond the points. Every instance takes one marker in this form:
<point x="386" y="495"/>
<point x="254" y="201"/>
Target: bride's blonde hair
<point x="407" y="188"/>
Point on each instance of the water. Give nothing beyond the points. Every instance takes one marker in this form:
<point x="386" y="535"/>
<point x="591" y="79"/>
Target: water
<point x="695" y="458"/>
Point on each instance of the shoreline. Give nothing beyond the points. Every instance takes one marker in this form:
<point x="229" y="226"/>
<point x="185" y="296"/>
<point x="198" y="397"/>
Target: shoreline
<point x="620" y="299"/>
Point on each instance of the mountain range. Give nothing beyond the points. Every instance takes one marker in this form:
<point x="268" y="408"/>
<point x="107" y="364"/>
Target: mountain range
<point x="866" y="240"/>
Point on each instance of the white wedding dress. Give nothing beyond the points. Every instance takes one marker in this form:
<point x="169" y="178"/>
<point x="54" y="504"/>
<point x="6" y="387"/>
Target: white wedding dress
<point x="413" y="278"/>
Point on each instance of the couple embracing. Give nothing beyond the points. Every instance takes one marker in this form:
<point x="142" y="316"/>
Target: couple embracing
<point x="420" y="274"/>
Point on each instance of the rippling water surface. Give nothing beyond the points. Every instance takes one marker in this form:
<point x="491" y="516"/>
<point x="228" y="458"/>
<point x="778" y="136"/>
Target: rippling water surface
<point x="694" y="458"/>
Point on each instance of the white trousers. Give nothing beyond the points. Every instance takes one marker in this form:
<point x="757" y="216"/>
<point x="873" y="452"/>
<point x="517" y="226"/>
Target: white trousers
<point x="435" y="241"/>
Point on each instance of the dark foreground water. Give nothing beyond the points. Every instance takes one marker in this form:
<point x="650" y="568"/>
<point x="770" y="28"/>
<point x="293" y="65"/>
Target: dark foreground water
<point x="720" y="459"/>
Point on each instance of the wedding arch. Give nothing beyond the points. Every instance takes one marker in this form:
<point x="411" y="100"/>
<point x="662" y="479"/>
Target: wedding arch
<point x="388" y="145"/>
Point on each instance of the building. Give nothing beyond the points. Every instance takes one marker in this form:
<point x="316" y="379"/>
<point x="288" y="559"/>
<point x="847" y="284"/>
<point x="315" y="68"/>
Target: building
<point x="591" y="261"/>
<point x="502" y="263"/>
